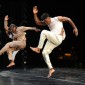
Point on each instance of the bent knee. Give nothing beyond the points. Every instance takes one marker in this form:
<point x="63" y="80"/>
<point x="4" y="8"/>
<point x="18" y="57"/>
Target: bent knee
<point x="8" y="44"/>
<point x="44" y="32"/>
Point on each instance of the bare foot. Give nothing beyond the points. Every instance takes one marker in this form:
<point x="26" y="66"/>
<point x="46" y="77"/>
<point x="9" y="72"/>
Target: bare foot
<point x="51" y="71"/>
<point x="11" y="64"/>
<point x="37" y="50"/>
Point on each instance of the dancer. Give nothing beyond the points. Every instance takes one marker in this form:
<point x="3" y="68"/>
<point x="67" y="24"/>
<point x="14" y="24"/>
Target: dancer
<point x="19" y="40"/>
<point x="54" y="37"/>
<point x="10" y="52"/>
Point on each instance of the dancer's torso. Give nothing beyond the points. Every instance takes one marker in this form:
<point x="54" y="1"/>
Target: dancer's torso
<point x="19" y="35"/>
<point x="57" y="27"/>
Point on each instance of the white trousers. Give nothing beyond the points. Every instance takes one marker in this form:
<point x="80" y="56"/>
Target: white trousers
<point x="13" y="55"/>
<point x="52" y="42"/>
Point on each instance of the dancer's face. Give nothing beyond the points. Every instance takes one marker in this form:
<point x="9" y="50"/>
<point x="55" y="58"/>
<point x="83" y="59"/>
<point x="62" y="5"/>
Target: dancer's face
<point x="47" y="20"/>
<point x="14" y="29"/>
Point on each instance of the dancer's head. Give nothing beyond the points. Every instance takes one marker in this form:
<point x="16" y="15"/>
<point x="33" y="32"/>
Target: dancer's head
<point x="12" y="27"/>
<point x="46" y="18"/>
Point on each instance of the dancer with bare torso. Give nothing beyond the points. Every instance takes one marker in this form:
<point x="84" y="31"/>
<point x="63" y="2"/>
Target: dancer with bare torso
<point x="19" y="39"/>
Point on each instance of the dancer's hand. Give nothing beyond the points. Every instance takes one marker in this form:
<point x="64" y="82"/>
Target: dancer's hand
<point x="37" y="30"/>
<point x="6" y="17"/>
<point x="35" y="10"/>
<point x="75" y="31"/>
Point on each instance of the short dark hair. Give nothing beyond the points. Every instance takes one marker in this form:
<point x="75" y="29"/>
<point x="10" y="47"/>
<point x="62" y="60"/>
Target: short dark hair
<point x="44" y="16"/>
<point x="12" y="26"/>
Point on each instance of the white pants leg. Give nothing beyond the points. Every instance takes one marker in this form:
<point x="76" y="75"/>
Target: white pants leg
<point x="50" y="36"/>
<point x="13" y="55"/>
<point x="52" y="42"/>
<point x="46" y="51"/>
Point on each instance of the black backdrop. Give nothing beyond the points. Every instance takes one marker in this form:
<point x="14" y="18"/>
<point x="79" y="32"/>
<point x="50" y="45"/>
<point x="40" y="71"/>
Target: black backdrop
<point x="20" y="13"/>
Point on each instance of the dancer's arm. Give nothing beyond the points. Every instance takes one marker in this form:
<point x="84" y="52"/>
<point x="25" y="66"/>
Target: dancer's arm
<point x="6" y="23"/>
<point x="23" y="28"/>
<point x="66" y="19"/>
<point x="38" y="22"/>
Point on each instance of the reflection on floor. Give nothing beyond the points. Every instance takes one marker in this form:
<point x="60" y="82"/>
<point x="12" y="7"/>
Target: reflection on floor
<point x="37" y="76"/>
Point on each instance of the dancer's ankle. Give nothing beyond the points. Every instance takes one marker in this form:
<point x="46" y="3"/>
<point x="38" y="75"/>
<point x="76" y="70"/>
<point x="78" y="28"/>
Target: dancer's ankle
<point x="51" y="69"/>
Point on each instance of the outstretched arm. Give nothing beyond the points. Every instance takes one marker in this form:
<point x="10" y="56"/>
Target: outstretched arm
<point x="35" y="11"/>
<point x="66" y="19"/>
<point x="6" y="23"/>
<point x="23" y="28"/>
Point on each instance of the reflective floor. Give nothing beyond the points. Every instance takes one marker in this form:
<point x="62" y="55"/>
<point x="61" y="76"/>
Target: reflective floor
<point x="38" y="76"/>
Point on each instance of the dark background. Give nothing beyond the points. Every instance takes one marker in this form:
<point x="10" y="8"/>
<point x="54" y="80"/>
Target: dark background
<point x="20" y="13"/>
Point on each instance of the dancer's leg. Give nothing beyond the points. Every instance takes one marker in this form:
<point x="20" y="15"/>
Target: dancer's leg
<point x="12" y="63"/>
<point x="46" y="51"/>
<point x="15" y="44"/>
<point x="45" y="35"/>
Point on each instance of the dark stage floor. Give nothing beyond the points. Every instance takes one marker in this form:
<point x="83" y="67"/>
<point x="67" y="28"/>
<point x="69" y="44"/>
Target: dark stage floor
<point x="37" y="76"/>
